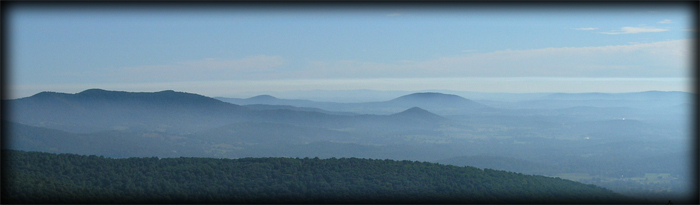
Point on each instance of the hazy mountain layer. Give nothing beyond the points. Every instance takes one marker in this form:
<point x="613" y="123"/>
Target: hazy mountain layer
<point x="176" y="112"/>
<point x="636" y="150"/>
<point x="433" y="102"/>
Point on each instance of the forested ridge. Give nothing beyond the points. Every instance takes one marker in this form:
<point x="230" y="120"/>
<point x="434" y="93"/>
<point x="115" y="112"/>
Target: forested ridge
<point x="36" y="177"/>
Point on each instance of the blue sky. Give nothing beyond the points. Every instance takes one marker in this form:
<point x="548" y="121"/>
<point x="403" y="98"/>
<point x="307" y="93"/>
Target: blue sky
<point x="229" y="49"/>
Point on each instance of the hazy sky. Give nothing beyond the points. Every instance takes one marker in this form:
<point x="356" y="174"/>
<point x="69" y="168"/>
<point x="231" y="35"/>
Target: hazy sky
<point x="225" y="49"/>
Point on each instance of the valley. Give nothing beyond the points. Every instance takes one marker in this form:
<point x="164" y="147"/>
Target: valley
<point x="637" y="144"/>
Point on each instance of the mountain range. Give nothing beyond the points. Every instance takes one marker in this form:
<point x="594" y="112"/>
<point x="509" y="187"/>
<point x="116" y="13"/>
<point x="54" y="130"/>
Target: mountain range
<point x="438" y="103"/>
<point x="170" y="111"/>
<point x="604" y="136"/>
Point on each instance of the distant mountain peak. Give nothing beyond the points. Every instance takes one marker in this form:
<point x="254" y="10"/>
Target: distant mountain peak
<point x="93" y="90"/>
<point x="100" y="95"/>
<point x="46" y="93"/>
<point x="417" y="112"/>
<point x="436" y="101"/>
<point x="431" y="96"/>
<point x="263" y="97"/>
<point x="431" y="99"/>
<point x="102" y="91"/>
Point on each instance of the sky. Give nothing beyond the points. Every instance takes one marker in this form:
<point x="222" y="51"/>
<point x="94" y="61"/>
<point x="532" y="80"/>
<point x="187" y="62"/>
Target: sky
<point x="228" y="49"/>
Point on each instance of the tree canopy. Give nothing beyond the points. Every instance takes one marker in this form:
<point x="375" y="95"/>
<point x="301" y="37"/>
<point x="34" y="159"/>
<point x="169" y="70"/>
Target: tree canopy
<point x="35" y="177"/>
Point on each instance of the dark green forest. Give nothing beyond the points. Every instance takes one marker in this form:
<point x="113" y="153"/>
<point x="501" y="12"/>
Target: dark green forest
<point x="36" y="177"/>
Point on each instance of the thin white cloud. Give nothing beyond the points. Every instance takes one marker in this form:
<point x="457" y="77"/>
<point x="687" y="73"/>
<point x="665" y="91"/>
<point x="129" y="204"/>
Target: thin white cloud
<point x="586" y="29"/>
<point x="666" y="21"/>
<point x="658" y="59"/>
<point x="632" y="30"/>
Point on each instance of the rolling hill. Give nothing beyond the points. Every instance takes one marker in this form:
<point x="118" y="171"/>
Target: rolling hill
<point x="432" y="99"/>
<point x="96" y="110"/>
<point x="67" y="178"/>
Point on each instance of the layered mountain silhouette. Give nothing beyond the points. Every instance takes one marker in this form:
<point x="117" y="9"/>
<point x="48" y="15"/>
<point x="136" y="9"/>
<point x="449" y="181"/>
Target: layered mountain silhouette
<point x="432" y="97"/>
<point x="444" y="103"/>
<point x="646" y="95"/>
<point x="289" y="107"/>
<point x="434" y="102"/>
<point x="178" y="112"/>
<point x="638" y="100"/>
<point x="271" y="100"/>
<point x="576" y="133"/>
<point x="96" y="109"/>
<point x="418" y="113"/>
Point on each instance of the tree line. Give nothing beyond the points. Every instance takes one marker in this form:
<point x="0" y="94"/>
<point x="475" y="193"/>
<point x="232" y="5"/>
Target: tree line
<point x="36" y="177"/>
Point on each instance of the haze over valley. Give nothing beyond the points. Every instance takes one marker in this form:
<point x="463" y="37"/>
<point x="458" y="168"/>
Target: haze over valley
<point x="241" y="102"/>
<point x="606" y="139"/>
